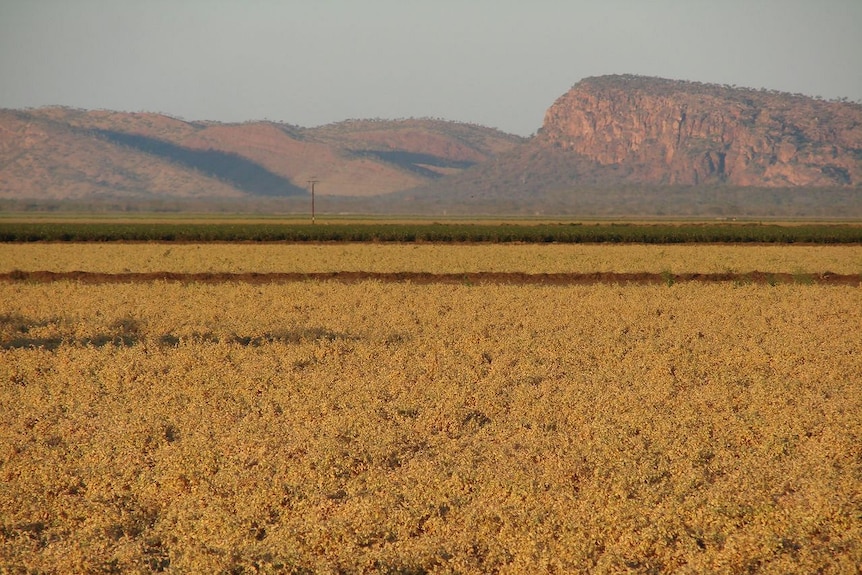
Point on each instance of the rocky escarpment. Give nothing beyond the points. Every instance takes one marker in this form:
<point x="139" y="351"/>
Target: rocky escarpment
<point x="686" y="133"/>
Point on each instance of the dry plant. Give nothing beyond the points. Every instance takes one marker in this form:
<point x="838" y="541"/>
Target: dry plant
<point x="433" y="258"/>
<point x="319" y="427"/>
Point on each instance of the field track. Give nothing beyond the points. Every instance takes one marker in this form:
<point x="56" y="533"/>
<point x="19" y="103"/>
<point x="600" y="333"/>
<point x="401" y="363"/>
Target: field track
<point x="510" y="278"/>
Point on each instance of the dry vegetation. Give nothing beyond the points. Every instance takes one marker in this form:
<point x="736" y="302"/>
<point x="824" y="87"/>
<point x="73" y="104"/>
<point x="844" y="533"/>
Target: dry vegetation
<point x="434" y="258"/>
<point x="322" y="427"/>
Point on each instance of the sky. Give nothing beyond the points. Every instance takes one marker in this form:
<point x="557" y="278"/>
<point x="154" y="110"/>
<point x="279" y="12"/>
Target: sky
<point x="498" y="63"/>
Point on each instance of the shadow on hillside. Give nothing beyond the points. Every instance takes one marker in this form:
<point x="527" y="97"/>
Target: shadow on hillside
<point x="414" y="162"/>
<point x="240" y="172"/>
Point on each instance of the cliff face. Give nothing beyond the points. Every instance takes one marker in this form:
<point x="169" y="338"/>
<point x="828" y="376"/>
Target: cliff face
<point x="671" y="132"/>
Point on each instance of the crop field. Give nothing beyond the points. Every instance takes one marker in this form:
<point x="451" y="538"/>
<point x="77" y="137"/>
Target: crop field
<point x="449" y="232"/>
<point x="115" y="258"/>
<point x="383" y="425"/>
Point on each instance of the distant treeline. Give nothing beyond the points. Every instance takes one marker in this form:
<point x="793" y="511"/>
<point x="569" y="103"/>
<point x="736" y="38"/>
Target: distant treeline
<point x="434" y="232"/>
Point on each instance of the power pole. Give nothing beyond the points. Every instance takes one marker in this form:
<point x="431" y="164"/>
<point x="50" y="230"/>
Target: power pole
<point x="311" y="183"/>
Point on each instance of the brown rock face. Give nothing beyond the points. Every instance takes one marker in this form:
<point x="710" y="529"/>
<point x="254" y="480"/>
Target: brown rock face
<point x="671" y="132"/>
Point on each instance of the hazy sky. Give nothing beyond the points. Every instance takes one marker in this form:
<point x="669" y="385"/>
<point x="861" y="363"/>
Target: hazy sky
<point x="500" y="63"/>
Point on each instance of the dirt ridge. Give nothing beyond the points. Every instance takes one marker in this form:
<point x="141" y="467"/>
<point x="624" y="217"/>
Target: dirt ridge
<point x="512" y="278"/>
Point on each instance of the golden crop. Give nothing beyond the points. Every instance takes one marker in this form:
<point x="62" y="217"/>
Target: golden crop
<point x="434" y="258"/>
<point x="369" y="427"/>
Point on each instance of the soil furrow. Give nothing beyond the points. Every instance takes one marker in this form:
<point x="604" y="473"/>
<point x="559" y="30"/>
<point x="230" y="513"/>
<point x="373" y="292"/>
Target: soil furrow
<point x="516" y="278"/>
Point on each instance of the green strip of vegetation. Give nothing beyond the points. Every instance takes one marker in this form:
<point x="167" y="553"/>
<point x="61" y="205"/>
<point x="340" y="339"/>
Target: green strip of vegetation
<point x="447" y="233"/>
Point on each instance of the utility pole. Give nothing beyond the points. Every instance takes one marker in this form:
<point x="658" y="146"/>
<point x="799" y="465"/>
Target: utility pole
<point x="311" y="183"/>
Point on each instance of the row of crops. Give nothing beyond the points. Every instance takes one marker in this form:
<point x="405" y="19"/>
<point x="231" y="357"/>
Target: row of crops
<point x="490" y="233"/>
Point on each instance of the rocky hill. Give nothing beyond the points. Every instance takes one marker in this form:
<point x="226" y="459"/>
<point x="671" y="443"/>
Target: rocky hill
<point x="62" y="153"/>
<point x="612" y="145"/>
<point x="619" y="145"/>
<point x="671" y="132"/>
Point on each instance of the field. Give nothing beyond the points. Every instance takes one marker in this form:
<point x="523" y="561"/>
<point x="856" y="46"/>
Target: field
<point x="383" y="425"/>
<point x="113" y="258"/>
<point x="64" y="230"/>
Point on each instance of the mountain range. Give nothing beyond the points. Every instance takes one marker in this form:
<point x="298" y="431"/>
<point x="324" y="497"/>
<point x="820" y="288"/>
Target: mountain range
<point x="611" y="145"/>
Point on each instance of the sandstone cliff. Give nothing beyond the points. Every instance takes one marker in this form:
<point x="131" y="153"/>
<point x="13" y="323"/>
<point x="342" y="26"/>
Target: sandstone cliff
<point x="685" y="133"/>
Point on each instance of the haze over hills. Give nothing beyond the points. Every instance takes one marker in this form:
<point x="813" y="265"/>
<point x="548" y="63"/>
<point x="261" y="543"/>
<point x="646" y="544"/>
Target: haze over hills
<point x="611" y="145"/>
